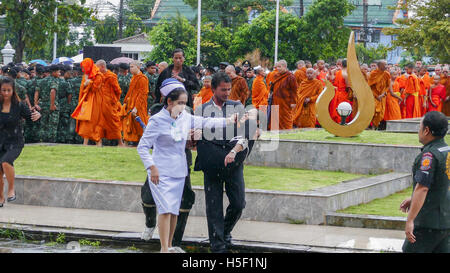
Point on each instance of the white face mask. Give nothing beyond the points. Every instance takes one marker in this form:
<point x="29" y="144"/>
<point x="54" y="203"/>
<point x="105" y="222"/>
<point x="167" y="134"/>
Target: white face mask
<point x="176" y="110"/>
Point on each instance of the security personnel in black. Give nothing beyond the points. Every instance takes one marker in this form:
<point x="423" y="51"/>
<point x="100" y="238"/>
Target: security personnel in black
<point x="187" y="200"/>
<point x="221" y="155"/>
<point x="428" y="223"/>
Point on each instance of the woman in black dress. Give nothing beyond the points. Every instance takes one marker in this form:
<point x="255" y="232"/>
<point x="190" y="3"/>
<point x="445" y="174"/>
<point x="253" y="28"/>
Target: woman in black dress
<point x="12" y="111"/>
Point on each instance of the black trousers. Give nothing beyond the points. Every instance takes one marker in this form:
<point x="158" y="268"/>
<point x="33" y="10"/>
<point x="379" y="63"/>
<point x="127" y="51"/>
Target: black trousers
<point x="220" y="227"/>
<point x="428" y="241"/>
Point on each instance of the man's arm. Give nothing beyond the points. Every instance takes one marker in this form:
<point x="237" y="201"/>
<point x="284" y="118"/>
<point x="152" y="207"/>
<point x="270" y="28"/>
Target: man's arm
<point x="417" y="201"/>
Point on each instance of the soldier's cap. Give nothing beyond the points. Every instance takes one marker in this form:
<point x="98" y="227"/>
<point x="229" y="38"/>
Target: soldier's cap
<point x="150" y="63"/>
<point x="211" y="69"/>
<point x="224" y="64"/>
<point x="246" y="63"/>
<point x="46" y="69"/>
<point x="11" y="71"/>
<point x="68" y="68"/>
<point x="40" y="69"/>
<point x="124" y="66"/>
<point x="27" y="71"/>
<point x="54" y="67"/>
<point x="111" y="67"/>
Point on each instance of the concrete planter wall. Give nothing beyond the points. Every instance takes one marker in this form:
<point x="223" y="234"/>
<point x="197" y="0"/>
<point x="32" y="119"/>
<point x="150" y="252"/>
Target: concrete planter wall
<point x="270" y="206"/>
<point x="335" y="156"/>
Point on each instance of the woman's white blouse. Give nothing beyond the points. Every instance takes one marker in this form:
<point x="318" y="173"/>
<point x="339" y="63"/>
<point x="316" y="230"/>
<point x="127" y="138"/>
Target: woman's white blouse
<point x="168" y="138"/>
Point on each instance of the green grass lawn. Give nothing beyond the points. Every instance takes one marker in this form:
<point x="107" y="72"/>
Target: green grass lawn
<point x="388" y="206"/>
<point x="124" y="164"/>
<point x="367" y="136"/>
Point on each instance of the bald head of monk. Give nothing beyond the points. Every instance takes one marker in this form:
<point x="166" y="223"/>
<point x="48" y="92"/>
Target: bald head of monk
<point x="310" y="74"/>
<point x="436" y="79"/>
<point x="321" y="65"/>
<point x="162" y="66"/>
<point x="300" y="64"/>
<point x="101" y="64"/>
<point x="135" y="67"/>
<point x="382" y="65"/>
<point x="231" y="71"/>
<point x="365" y="68"/>
<point x="281" y="66"/>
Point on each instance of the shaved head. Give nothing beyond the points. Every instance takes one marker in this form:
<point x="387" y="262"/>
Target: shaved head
<point x="310" y="73"/>
<point x="281" y="66"/>
<point x="101" y="64"/>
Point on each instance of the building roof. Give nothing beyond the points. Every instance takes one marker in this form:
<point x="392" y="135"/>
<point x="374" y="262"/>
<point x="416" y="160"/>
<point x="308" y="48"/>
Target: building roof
<point x="379" y="13"/>
<point x="141" y="38"/>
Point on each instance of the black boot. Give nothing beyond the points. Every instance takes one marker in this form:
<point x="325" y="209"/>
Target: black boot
<point x="179" y="229"/>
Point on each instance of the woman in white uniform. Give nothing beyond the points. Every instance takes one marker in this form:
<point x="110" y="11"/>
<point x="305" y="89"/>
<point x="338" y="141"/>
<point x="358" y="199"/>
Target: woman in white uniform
<point x="166" y="133"/>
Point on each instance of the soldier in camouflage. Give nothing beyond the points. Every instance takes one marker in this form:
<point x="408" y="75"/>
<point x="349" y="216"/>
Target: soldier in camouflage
<point x="124" y="79"/>
<point x="152" y="76"/>
<point x="64" y="102"/>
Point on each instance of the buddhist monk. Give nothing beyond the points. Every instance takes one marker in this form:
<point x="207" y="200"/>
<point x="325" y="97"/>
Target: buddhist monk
<point x="424" y="82"/>
<point x="205" y="93"/>
<point x="446" y="82"/>
<point x="111" y="107"/>
<point x="260" y="93"/>
<point x="308" y="92"/>
<point x="380" y="83"/>
<point x="411" y="91"/>
<point x="300" y="73"/>
<point x="393" y="99"/>
<point x="135" y="105"/>
<point x="321" y="71"/>
<point x="284" y="97"/>
<point x="342" y="89"/>
<point x="437" y="95"/>
<point x="270" y="77"/>
<point x="239" y="87"/>
<point x="88" y="112"/>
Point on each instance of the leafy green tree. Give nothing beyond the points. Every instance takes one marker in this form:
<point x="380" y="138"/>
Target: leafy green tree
<point x="215" y="43"/>
<point x="323" y="34"/>
<point x="105" y="31"/>
<point x="233" y="13"/>
<point x="369" y="54"/>
<point x="140" y="8"/>
<point x="170" y="34"/>
<point x="261" y="34"/>
<point x="428" y="29"/>
<point x="29" y="23"/>
<point x="133" y="26"/>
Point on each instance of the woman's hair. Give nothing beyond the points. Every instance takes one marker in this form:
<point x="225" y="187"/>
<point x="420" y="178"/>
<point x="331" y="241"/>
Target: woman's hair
<point x="174" y="95"/>
<point x="7" y="80"/>
<point x="437" y="123"/>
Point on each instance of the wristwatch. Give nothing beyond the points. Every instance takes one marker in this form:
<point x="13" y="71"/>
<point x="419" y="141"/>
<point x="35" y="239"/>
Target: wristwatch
<point x="233" y="151"/>
<point x="183" y="79"/>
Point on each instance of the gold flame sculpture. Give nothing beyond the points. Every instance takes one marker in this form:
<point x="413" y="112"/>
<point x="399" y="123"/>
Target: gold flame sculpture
<point x="366" y="103"/>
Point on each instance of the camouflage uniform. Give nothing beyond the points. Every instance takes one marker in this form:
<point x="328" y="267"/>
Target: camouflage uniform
<point x="75" y="83"/>
<point x="124" y="83"/>
<point x="64" y="91"/>
<point x="22" y="86"/>
<point x="49" y="119"/>
<point x="152" y="79"/>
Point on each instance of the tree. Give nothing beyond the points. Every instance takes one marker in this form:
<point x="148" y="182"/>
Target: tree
<point x="369" y="54"/>
<point x="171" y="34"/>
<point x="428" y="29"/>
<point x="323" y="34"/>
<point x="261" y="34"/>
<point x="140" y="8"/>
<point x="233" y="12"/>
<point x="30" y="23"/>
<point x="133" y="26"/>
<point x="215" y="43"/>
<point x="105" y="31"/>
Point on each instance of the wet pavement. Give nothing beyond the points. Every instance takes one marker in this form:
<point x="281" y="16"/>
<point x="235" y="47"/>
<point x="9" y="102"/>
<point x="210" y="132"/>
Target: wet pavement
<point x="310" y="237"/>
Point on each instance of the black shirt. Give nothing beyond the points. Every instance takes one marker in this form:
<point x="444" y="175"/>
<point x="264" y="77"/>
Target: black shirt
<point x="11" y="131"/>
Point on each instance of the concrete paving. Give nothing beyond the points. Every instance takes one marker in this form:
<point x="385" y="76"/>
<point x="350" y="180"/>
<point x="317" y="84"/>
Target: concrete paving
<point x="344" y="238"/>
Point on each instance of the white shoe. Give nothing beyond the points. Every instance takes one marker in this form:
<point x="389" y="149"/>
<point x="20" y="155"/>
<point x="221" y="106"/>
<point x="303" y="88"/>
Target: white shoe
<point x="147" y="234"/>
<point x="176" y="249"/>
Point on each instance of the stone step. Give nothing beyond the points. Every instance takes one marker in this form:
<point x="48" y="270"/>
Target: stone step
<point x="364" y="221"/>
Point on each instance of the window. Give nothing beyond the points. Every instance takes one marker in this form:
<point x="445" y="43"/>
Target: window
<point x="375" y="36"/>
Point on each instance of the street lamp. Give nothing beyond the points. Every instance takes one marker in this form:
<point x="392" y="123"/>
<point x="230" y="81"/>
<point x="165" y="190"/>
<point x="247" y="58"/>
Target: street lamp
<point x="344" y="109"/>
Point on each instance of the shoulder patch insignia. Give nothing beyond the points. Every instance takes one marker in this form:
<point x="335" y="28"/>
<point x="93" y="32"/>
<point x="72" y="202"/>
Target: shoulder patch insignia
<point x="425" y="164"/>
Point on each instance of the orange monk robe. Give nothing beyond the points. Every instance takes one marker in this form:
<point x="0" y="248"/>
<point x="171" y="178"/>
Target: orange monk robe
<point x="300" y="75"/>
<point x="322" y="76"/>
<point x="269" y="78"/>
<point x="239" y="90"/>
<point x="111" y="107"/>
<point x="379" y="82"/>
<point x="412" y="90"/>
<point x="393" y="111"/>
<point x="136" y="97"/>
<point x="260" y="93"/>
<point x="340" y="96"/>
<point x="203" y="96"/>
<point x="89" y="110"/>
<point x="437" y="96"/>
<point x="284" y="95"/>
<point x="446" y="105"/>
<point x="305" y="115"/>
<point x="354" y="99"/>
<point x="424" y="86"/>
<point x="401" y="80"/>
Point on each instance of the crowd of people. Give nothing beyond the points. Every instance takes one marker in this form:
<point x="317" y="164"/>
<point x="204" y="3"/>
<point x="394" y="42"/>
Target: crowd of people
<point x="151" y="106"/>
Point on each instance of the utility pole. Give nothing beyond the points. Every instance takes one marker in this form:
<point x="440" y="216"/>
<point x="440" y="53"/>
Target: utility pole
<point x="301" y="9"/>
<point x="199" y="25"/>
<point x="120" y="18"/>
<point x="55" y="35"/>
<point x="365" y="21"/>
<point x="276" y="32"/>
